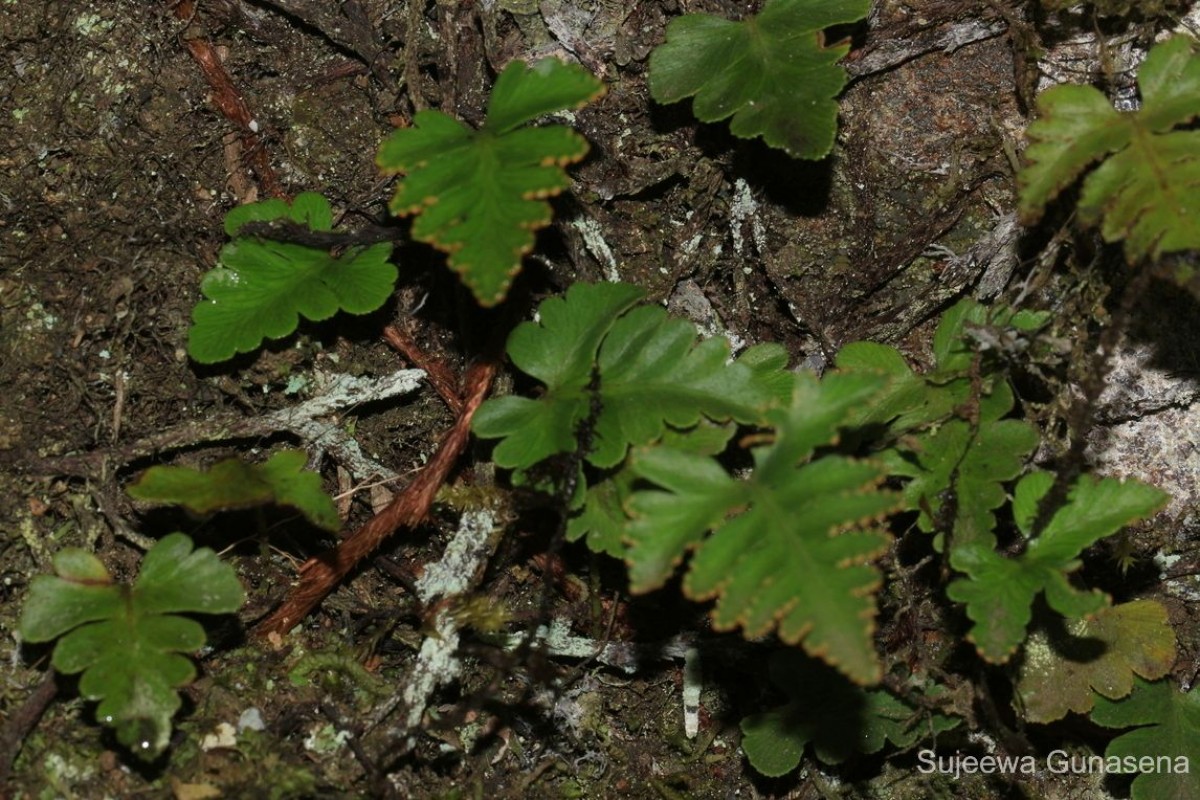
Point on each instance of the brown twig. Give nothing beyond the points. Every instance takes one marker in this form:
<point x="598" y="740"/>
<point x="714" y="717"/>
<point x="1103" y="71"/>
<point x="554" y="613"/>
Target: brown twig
<point x="230" y="102"/>
<point x="436" y="371"/>
<point x="319" y="575"/>
<point x="303" y="421"/>
<point x="19" y="725"/>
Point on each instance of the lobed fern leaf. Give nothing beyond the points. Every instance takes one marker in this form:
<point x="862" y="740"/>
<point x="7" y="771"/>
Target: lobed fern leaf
<point x="770" y="72"/>
<point x="969" y="463"/>
<point x="1065" y="665"/>
<point x="1147" y="190"/>
<point x="480" y="194"/>
<point x="909" y="401"/>
<point x="999" y="591"/>
<point x="1166" y="724"/>
<point x="232" y="483"/>
<point x="128" y="640"/>
<point x="560" y="351"/>
<point x="262" y="287"/>
<point x="836" y="717"/>
<point x="787" y="549"/>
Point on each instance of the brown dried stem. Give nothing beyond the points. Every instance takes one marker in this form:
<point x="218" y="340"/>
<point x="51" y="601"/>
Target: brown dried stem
<point x="20" y="723"/>
<point x="229" y="101"/>
<point x="436" y="371"/>
<point x="321" y="574"/>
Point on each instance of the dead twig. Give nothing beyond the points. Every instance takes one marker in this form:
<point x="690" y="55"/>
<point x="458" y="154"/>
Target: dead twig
<point x="229" y="101"/>
<point x="320" y="575"/>
<point x="891" y="53"/>
<point x="436" y="372"/>
<point x="21" y="723"/>
<point x="303" y="421"/>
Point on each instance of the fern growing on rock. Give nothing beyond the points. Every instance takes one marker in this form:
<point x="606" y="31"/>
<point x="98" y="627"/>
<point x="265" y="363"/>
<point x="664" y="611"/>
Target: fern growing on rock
<point x="788" y="545"/>
<point x="1145" y="190"/>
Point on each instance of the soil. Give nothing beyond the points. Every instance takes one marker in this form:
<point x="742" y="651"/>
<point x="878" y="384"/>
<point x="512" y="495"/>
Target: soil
<point x="121" y="159"/>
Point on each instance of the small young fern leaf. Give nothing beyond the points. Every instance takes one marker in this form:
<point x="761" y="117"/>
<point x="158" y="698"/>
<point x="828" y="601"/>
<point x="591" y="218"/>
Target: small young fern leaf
<point x="787" y="548"/>
<point x="128" y="641"/>
<point x="999" y="591"/>
<point x="913" y="401"/>
<point x="771" y="72"/>
<point x="959" y="447"/>
<point x="1147" y="190"/>
<point x="232" y="484"/>
<point x="262" y="287"/>
<point x="970" y="463"/>
<point x="480" y="194"/>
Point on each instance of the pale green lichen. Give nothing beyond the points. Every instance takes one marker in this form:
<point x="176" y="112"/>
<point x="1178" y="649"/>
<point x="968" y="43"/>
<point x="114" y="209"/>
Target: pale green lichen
<point x="437" y="662"/>
<point x="89" y="24"/>
<point x="326" y="740"/>
<point x="62" y="775"/>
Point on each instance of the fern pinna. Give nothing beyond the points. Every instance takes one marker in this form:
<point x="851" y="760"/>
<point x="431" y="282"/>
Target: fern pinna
<point x="788" y="544"/>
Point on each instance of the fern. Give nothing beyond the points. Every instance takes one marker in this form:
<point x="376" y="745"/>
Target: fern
<point x="1063" y="666"/>
<point x="769" y="490"/>
<point x="128" y="640"/>
<point x="787" y="548"/>
<point x="642" y="369"/>
<point x="262" y="287"/>
<point x="602" y="520"/>
<point x="234" y="484"/>
<point x="1146" y="191"/>
<point x="959" y="470"/>
<point x="948" y="457"/>
<point x="836" y="717"/>
<point x="966" y="462"/>
<point x="999" y="591"/>
<point x="1165" y="723"/>
<point x="480" y="194"/>
<point x="624" y="376"/>
<point x="770" y="72"/>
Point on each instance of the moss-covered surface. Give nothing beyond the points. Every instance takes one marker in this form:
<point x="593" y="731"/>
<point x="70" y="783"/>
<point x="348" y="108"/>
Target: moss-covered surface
<point x="113" y="183"/>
